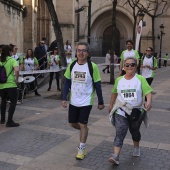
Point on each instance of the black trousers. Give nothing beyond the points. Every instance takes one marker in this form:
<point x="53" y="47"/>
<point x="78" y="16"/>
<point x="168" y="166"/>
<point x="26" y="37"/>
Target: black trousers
<point x="57" y="75"/>
<point x="135" y="120"/>
<point x="12" y="94"/>
<point x="149" y="80"/>
<point x="165" y="63"/>
<point x="41" y="63"/>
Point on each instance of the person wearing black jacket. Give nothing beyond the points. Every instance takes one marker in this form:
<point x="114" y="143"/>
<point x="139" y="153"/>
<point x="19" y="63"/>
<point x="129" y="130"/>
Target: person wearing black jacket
<point x="40" y="54"/>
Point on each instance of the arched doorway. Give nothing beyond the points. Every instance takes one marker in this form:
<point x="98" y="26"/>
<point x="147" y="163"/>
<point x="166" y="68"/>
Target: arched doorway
<point x="107" y="41"/>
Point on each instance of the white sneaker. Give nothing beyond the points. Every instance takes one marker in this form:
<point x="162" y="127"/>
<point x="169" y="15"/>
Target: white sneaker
<point x="114" y="160"/>
<point x="136" y="151"/>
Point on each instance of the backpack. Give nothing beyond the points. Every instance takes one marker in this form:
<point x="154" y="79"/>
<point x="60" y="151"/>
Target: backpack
<point x="3" y="75"/>
<point x="89" y="66"/>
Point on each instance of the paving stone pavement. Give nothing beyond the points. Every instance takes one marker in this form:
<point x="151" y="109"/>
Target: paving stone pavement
<point x="44" y="141"/>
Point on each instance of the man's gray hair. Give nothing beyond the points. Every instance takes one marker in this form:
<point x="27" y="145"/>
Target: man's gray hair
<point x="87" y="46"/>
<point x="132" y="58"/>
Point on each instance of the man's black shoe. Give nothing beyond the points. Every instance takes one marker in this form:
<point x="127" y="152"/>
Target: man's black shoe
<point x="103" y="71"/>
<point x="2" y="121"/>
<point x="37" y="94"/>
<point x="12" y="124"/>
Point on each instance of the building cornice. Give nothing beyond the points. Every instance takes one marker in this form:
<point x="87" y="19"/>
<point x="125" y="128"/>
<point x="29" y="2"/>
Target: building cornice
<point x="13" y="4"/>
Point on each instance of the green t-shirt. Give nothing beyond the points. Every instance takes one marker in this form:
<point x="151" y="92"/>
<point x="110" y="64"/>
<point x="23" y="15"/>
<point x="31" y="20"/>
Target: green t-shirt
<point x="165" y="57"/>
<point x="10" y="64"/>
<point x="82" y="90"/>
<point x="131" y="91"/>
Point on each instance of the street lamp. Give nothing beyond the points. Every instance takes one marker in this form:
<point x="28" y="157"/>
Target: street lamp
<point x="162" y="33"/>
<point x="89" y="18"/>
<point x="141" y="15"/>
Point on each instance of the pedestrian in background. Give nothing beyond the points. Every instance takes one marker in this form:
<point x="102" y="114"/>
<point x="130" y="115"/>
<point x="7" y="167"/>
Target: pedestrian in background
<point x="15" y="54"/>
<point x="69" y="59"/>
<point x="30" y="63"/>
<point x="53" y="62"/>
<point x="148" y="65"/>
<point x="107" y="62"/>
<point x="40" y="54"/>
<point x="67" y="46"/>
<point x="9" y="88"/>
<point x="115" y="59"/>
<point x="128" y="111"/>
<point x="82" y="83"/>
<point x="165" y="59"/>
<point x="46" y="49"/>
<point x="130" y="52"/>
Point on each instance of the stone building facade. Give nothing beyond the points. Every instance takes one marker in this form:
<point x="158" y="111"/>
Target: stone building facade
<point x="25" y="22"/>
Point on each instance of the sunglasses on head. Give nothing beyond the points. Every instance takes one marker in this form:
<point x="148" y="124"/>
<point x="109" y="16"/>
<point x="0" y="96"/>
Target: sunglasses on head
<point x="129" y="64"/>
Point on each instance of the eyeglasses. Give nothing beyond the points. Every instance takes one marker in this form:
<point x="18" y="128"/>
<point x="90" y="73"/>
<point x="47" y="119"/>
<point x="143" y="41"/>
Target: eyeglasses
<point x="129" y="64"/>
<point x="83" y="50"/>
<point x="148" y="50"/>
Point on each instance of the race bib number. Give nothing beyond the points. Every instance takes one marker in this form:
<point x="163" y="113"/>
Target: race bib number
<point x="129" y="94"/>
<point x="80" y="78"/>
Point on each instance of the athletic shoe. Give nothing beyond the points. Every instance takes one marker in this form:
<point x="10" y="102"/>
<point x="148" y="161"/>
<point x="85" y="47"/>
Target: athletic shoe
<point x="8" y="101"/>
<point x="2" y="121"/>
<point x="37" y="94"/>
<point x="12" y="124"/>
<point x="19" y="102"/>
<point x="81" y="154"/>
<point x="136" y="151"/>
<point x="114" y="160"/>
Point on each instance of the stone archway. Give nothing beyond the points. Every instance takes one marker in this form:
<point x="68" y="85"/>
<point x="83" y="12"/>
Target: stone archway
<point x="101" y="31"/>
<point x="107" y="41"/>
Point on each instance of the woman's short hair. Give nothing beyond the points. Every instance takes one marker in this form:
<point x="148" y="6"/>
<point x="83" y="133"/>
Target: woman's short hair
<point x="131" y="58"/>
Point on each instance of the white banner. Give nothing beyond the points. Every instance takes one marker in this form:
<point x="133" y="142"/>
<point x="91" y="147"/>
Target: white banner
<point x="38" y="71"/>
<point x="138" y="36"/>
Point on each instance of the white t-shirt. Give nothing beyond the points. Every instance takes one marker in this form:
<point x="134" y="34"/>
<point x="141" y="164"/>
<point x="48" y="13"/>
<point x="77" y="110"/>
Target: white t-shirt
<point x="82" y="91"/>
<point x="82" y="86"/>
<point x="129" y="54"/>
<point x="146" y="72"/>
<point x="107" y="59"/>
<point x="29" y="64"/>
<point x="131" y="91"/>
<point x="16" y="57"/>
<point x="51" y="60"/>
<point x="67" y="47"/>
